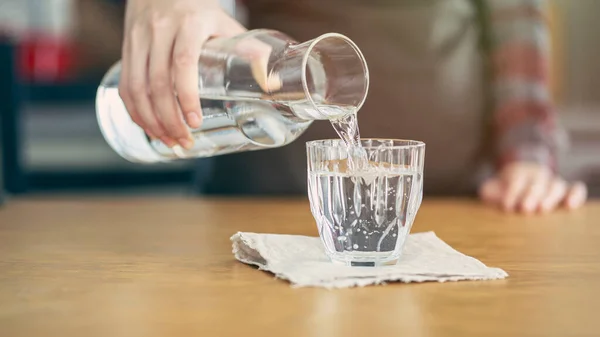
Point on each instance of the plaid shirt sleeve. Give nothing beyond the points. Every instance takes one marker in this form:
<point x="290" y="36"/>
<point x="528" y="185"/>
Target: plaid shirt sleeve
<point x="524" y="119"/>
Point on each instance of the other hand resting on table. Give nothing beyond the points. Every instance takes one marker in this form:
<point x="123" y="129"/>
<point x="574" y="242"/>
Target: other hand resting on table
<point x="531" y="188"/>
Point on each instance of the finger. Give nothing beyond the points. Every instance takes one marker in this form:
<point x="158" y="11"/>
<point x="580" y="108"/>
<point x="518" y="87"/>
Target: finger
<point x="161" y="84"/>
<point x="515" y="187"/>
<point x="186" y="54"/>
<point x="491" y="191"/>
<point x="576" y="196"/>
<point x="535" y="192"/>
<point x="138" y="63"/>
<point x="124" y="87"/>
<point x="554" y="195"/>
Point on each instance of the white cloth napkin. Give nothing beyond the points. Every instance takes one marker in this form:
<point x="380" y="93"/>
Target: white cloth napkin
<point x="302" y="261"/>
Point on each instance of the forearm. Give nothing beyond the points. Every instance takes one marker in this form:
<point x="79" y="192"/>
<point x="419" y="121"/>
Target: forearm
<point x="525" y="121"/>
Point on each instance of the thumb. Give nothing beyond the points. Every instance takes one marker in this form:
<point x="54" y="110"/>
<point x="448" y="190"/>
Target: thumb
<point x="230" y="27"/>
<point x="257" y="53"/>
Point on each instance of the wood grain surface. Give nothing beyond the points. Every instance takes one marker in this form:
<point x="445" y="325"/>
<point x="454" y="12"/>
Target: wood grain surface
<point x="164" y="267"/>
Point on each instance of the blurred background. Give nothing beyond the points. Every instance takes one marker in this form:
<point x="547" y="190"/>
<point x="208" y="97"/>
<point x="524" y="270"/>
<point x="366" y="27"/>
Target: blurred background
<point x="53" y="54"/>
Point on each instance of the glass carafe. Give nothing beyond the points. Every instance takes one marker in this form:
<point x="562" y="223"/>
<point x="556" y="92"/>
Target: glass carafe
<point x="258" y="90"/>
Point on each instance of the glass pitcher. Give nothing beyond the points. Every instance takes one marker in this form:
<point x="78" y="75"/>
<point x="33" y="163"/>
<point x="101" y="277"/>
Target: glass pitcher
<point x="258" y="90"/>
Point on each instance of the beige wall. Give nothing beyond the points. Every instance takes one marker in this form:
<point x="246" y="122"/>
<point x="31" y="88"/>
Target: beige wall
<point x="581" y="55"/>
<point x="576" y="29"/>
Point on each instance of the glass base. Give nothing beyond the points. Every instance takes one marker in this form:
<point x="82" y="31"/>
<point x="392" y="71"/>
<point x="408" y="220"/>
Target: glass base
<point x="365" y="259"/>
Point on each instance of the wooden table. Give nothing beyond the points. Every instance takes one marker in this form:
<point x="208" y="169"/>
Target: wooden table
<point x="163" y="267"/>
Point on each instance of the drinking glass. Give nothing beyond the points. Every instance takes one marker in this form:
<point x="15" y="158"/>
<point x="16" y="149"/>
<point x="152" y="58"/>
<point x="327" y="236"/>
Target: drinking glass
<point x="364" y="215"/>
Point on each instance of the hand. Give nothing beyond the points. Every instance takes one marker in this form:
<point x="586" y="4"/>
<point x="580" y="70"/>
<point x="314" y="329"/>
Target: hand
<point x="161" y="49"/>
<point x="530" y="188"/>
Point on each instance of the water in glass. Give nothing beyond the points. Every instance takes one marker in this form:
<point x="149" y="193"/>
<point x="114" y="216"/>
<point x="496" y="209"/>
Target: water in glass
<point x="364" y="214"/>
